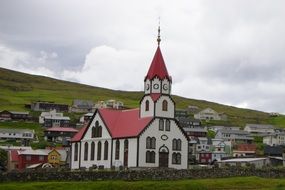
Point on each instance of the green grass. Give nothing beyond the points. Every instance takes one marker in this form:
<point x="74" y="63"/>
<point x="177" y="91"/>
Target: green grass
<point x="18" y="89"/>
<point x="203" y="184"/>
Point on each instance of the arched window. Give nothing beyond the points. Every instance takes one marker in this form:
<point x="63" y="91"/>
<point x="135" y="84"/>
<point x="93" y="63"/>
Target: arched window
<point x="117" y="151"/>
<point x="178" y="145"/>
<point x="148" y="142"/>
<point x="92" y="151"/>
<point x="93" y="132"/>
<point x="167" y="125"/>
<point x="86" y="151"/>
<point x="147" y="105"/>
<point x="152" y="143"/>
<point x="106" y="147"/>
<point x="97" y="124"/>
<point x="174" y="144"/>
<point x="76" y="152"/>
<point x="164" y="105"/>
<point x="161" y="125"/>
<point x="99" y="151"/>
<point x="150" y="157"/>
<point x="100" y="131"/>
<point x="176" y="158"/>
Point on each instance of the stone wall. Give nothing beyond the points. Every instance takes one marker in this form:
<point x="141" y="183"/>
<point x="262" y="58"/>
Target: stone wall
<point x="143" y="174"/>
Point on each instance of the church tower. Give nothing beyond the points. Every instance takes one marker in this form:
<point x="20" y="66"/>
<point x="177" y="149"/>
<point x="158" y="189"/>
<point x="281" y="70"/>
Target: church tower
<point x="157" y="101"/>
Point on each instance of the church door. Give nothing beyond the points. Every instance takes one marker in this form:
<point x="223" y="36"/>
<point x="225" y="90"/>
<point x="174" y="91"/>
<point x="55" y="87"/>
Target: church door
<point x="163" y="157"/>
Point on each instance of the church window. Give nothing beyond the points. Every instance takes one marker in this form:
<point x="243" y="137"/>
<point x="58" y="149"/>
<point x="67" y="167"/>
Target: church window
<point x="86" y="151"/>
<point x="76" y="152"/>
<point x="161" y="125"/>
<point x="150" y="157"/>
<point x="147" y="105"/>
<point x="92" y="151"/>
<point x="117" y="151"/>
<point x="93" y="132"/>
<point x="153" y="142"/>
<point x="164" y="105"/>
<point x="176" y="144"/>
<point x="176" y="158"/>
<point x="99" y="151"/>
<point x="148" y="142"/>
<point x="167" y="125"/>
<point x="106" y="147"/>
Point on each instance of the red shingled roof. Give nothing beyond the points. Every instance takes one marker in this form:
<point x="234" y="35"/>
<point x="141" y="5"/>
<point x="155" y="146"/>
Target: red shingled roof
<point x="246" y="147"/>
<point x="157" y="67"/>
<point x="62" y="129"/>
<point x="120" y="123"/>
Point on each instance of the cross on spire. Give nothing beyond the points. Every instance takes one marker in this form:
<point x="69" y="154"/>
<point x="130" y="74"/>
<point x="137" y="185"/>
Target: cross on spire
<point x="158" y="36"/>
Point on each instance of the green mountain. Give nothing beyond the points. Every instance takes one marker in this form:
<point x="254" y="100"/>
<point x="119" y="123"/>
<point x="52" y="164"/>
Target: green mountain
<point x="18" y="89"/>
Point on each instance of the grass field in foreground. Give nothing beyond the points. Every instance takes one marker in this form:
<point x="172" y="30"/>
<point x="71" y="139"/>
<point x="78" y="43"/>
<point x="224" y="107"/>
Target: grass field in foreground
<point x="223" y="183"/>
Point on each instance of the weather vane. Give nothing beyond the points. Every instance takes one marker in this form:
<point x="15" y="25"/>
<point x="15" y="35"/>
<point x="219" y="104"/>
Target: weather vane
<point x="158" y="37"/>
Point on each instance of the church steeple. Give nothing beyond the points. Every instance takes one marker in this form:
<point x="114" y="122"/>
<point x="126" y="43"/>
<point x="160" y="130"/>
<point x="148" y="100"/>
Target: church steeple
<point x="157" y="101"/>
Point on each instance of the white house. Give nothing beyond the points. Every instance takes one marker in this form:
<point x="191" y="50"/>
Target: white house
<point x="259" y="129"/>
<point x="235" y="136"/>
<point x="274" y="139"/>
<point x="51" y="113"/>
<point x="17" y="134"/>
<point x="209" y="114"/>
<point x="148" y="136"/>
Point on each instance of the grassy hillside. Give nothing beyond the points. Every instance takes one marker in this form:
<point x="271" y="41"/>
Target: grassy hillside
<point x="222" y="183"/>
<point x="18" y="89"/>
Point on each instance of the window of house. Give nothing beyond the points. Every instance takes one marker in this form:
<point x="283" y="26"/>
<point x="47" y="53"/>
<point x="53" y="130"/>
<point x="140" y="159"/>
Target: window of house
<point x="161" y="125"/>
<point x="147" y="105"/>
<point x="99" y="150"/>
<point x="106" y="147"/>
<point x="93" y="132"/>
<point x="76" y="152"/>
<point x="117" y="151"/>
<point x="152" y="143"/>
<point x="86" y="151"/>
<point x="176" y="158"/>
<point x="176" y="144"/>
<point x="164" y="105"/>
<point x="167" y="125"/>
<point x="148" y="142"/>
<point x="92" y="151"/>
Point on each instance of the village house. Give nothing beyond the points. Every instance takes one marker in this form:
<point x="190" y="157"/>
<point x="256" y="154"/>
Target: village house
<point x="17" y="134"/>
<point x="81" y="106"/>
<point x="210" y="114"/>
<point x="59" y="134"/>
<point x="108" y="104"/>
<point x="180" y="113"/>
<point x="14" y="115"/>
<point x="51" y="113"/>
<point x="145" y="137"/>
<point x="220" y="149"/>
<point x="48" y="106"/>
<point x="56" y="121"/>
<point x="57" y="157"/>
<point x="192" y="109"/>
<point x="274" y="139"/>
<point x="195" y="132"/>
<point x="203" y="153"/>
<point x="259" y="129"/>
<point x="189" y="122"/>
<point x="86" y="118"/>
<point x="235" y="136"/>
<point x="217" y="128"/>
<point x="29" y="157"/>
<point x="245" y="150"/>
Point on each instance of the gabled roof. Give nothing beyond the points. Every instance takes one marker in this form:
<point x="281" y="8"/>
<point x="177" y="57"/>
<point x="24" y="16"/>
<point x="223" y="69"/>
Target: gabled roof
<point x="157" y="67"/>
<point x="119" y="123"/>
<point x="39" y="152"/>
<point x="124" y="123"/>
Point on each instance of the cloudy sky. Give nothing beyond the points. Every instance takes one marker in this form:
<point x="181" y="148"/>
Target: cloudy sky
<point x="226" y="51"/>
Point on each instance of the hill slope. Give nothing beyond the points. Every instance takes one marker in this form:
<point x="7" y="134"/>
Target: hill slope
<point x="18" y="89"/>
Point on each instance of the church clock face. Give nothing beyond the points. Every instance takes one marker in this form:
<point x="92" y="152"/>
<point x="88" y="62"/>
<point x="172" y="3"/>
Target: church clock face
<point x="165" y="87"/>
<point x="156" y="86"/>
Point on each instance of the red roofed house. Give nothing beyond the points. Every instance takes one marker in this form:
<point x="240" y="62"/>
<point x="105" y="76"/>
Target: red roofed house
<point x="245" y="150"/>
<point x="148" y="136"/>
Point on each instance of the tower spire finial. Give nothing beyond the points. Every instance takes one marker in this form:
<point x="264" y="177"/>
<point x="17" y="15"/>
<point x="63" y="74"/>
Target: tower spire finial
<point x="158" y="36"/>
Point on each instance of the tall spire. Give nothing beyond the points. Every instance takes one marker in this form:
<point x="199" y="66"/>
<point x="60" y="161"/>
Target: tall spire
<point x="158" y="36"/>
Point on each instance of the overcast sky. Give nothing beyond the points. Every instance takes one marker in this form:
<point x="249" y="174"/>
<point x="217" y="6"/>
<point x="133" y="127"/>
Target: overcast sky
<point x="227" y="51"/>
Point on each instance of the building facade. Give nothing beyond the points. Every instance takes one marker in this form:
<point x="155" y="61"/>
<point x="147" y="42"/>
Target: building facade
<point x="145" y="137"/>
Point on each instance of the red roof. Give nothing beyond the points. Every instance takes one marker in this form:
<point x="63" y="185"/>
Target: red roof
<point x="78" y="136"/>
<point x="120" y="123"/>
<point x="62" y="129"/>
<point x="155" y="96"/>
<point x="14" y="155"/>
<point x="157" y="67"/>
<point x="246" y="147"/>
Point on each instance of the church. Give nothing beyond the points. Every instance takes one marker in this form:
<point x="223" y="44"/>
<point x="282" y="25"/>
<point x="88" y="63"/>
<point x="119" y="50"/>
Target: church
<point x="148" y="136"/>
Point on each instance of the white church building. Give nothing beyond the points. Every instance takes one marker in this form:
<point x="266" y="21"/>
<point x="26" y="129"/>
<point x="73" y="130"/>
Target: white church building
<point x="148" y="136"/>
